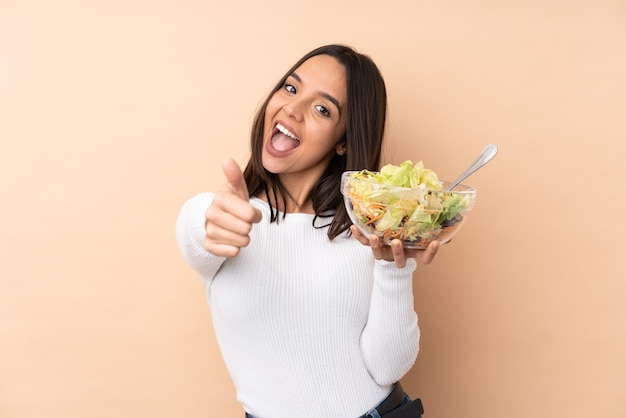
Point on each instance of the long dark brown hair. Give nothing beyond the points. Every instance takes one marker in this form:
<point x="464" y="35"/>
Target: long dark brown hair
<point x="366" y="114"/>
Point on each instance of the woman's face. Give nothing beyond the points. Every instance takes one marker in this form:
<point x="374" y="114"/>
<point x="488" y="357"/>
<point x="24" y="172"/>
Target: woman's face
<point x="305" y="120"/>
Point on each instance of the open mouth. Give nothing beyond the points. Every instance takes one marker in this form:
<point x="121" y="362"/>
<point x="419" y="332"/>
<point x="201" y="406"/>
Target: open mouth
<point x="283" y="139"/>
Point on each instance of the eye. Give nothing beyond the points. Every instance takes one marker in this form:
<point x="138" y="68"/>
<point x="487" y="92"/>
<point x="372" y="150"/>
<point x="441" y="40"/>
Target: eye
<point x="323" y="110"/>
<point x="290" y="88"/>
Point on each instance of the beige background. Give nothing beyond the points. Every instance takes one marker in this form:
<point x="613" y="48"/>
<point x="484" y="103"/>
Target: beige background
<point x="112" y="113"/>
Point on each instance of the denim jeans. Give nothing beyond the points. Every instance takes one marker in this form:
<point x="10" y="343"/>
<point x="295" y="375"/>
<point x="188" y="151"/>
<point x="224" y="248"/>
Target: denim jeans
<point x="373" y="413"/>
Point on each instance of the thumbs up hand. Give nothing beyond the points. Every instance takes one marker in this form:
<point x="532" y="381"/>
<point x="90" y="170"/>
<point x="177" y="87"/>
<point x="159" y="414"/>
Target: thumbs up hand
<point x="234" y="179"/>
<point x="230" y="217"/>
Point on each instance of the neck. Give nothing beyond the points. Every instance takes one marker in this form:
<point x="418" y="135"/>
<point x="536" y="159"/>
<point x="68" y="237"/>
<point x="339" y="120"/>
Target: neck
<point x="293" y="204"/>
<point x="296" y="200"/>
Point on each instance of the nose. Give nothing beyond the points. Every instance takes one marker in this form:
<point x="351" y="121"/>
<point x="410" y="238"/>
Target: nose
<point x="293" y="109"/>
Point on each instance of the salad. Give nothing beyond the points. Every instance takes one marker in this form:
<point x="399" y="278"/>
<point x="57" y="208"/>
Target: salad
<point x="407" y="202"/>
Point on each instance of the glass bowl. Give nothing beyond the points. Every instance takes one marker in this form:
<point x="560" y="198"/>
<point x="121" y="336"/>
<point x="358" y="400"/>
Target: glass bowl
<point x="415" y="216"/>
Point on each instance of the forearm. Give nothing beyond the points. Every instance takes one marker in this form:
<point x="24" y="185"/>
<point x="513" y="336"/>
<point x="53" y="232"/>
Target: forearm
<point x="190" y="234"/>
<point x="390" y="340"/>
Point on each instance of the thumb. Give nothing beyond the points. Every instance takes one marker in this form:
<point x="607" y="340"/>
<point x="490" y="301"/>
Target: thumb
<point x="234" y="178"/>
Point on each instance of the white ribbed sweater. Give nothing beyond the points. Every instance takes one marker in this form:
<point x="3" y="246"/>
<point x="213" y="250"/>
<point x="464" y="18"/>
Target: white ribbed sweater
<point x="308" y="327"/>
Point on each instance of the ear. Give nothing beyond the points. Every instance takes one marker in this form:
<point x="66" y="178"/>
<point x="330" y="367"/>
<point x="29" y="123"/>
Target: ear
<point x="340" y="148"/>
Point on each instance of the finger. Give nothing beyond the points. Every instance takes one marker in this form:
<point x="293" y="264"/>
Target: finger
<point x="221" y="250"/>
<point x="229" y="203"/>
<point x="224" y="237"/>
<point x="376" y="246"/>
<point x="397" y="249"/>
<point x="429" y="253"/>
<point x="226" y="233"/>
<point x="236" y="183"/>
<point x="356" y="233"/>
<point x="224" y="226"/>
<point x="234" y="178"/>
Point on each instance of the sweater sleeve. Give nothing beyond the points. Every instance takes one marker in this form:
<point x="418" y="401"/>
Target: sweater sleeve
<point x="390" y="339"/>
<point x="190" y="235"/>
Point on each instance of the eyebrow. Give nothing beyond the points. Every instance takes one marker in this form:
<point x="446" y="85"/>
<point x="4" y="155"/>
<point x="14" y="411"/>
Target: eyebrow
<point x="323" y="94"/>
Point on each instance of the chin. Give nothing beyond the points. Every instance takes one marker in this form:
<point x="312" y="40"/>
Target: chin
<point x="270" y="165"/>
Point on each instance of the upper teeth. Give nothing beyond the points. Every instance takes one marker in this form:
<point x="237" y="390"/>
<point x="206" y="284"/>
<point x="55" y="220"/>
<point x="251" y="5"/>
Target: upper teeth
<point x="285" y="131"/>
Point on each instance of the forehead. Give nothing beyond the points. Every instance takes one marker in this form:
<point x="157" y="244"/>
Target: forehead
<point x="324" y="74"/>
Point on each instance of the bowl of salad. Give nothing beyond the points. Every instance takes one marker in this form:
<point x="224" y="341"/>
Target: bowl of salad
<point x="406" y="202"/>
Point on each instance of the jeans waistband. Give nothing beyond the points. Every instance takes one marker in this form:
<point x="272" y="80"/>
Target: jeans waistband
<point x="391" y="402"/>
<point x="396" y="397"/>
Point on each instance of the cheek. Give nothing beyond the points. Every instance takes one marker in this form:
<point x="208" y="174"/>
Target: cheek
<point x="331" y="135"/>
<point x="273" y="105"/>
<point x="325" y="141"/>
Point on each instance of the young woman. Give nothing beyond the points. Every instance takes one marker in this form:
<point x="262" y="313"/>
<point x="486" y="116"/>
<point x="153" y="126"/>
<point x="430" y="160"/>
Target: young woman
<point x="312" y="318"/>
